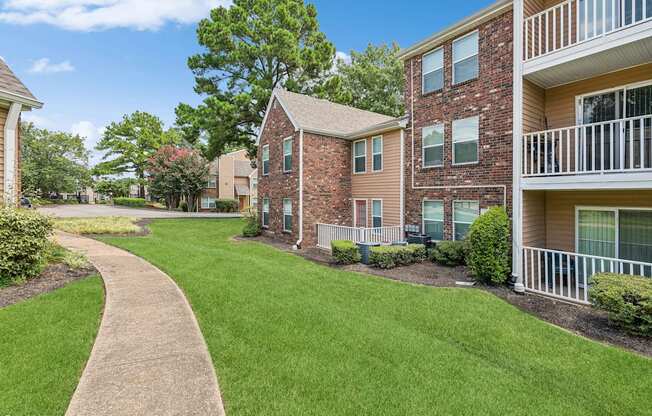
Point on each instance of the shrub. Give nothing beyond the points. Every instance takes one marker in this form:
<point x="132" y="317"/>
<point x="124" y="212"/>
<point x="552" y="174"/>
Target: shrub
<point x="449" y="253"/>
<point x="388" y="257"/>
<point x="627" y="299"/>
<point x="226" y="205"/>
<point x="23" y="244"/>
<point x="252" y="228"/>
<point x="488" y="242"/>
<point x="129" y="202"/>
<point x="345" y="251"/>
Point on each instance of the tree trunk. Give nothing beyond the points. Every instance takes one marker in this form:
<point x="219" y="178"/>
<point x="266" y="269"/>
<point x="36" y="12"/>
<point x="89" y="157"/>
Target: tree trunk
<point x="141" y="184"/>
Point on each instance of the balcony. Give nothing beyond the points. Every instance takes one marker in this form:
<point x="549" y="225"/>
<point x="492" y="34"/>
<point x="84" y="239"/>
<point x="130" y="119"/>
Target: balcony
<point x="578" y="39"/>
<point x="618" y="150"/>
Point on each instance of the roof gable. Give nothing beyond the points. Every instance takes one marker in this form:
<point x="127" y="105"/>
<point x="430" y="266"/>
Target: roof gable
<point x="13" y="88"/>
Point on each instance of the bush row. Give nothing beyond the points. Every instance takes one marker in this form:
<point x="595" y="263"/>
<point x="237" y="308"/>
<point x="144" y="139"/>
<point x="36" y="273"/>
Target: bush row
<point x="627" y="299"/>
<point x="345" y="252"/>
<point x="23" y="244"/>
<point x="449" y="253"/>
<point x="388" y="257"/>
<point x="129" y="202"/>
<point x="227" y="205"/>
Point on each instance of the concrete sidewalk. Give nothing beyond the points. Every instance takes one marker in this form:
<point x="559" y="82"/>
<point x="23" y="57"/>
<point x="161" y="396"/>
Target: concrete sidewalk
<point x="149" y="357"/>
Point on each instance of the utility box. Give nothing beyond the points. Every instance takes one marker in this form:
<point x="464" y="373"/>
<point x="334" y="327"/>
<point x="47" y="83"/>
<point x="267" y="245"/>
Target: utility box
<point x="365" y="251"/>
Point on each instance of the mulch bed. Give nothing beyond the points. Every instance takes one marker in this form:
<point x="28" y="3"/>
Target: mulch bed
<point x="53" y="277"/>
<point x="578" y="319"/>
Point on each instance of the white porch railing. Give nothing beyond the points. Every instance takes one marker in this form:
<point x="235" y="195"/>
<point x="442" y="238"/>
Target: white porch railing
<point x="329" y="232"/>
<point x="612" y="146"/>
<point x="575" y="21"/>
<point x="565" y="275"/>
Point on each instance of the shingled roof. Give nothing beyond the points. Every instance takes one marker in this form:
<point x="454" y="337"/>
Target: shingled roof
<point x="13" y="89"/>
<point x="322" y="116"/>
<point x="242" y="168"/>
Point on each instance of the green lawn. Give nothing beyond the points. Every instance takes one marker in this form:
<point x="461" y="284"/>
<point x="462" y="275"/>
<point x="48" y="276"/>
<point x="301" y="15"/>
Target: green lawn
<point x="44" y="345"/>
<point x="290" y="337"/>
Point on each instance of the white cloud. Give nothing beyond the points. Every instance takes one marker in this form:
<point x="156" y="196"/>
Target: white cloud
<point x="342" y="56"/>
<point x="44" y="66"/>
<point x="38" y="120"/>
<point x="92" y="135"/>
<point x="90" y="15"/>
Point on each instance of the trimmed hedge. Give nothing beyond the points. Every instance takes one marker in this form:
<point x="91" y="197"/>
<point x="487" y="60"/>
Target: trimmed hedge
<point x="388" y="257"/>
<point x="129" y="202"/>
<point x="627" y="299"/>
<point x="449" y="253"/>
<point x="227" y="205"/>
<point x="24" y="244"/>
<point x="345" y="252"/>
<point x="489" y="246"/>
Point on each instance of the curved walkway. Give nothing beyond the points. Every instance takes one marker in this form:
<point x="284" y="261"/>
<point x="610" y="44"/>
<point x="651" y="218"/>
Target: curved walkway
<point x="149" y="357"/>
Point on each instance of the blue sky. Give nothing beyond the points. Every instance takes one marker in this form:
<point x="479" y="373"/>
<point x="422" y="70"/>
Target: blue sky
<point x="91" y="61"/>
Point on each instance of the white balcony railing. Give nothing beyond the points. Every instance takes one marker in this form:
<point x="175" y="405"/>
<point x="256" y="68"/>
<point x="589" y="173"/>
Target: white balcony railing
<point x="609" y="147"/>
<point x="329" y="232"/>
<point x="575" y="21"/>
<point x="565" y="275"/>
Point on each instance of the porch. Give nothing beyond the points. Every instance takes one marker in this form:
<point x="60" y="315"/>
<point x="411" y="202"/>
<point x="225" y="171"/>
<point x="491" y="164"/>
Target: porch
<point x="570" y="236"/>
<point x="329" y="232"/>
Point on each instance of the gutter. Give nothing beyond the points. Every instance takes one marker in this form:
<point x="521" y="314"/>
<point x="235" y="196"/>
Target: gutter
<point x="11" y="142"/>
<point x="20" y="99"/>
<point x="300" y="240"/>
<point x="456" y="29"/>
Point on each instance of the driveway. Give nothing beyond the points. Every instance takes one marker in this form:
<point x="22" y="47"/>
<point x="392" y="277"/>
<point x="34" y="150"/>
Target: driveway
<point x="92" y="211"/>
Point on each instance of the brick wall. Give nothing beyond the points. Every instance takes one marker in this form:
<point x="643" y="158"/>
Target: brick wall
<point x="490" y="97"/>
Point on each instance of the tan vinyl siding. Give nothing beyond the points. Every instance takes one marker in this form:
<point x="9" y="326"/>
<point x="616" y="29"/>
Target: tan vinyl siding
<point x="3" y="119"/>
<point x="534" y="218"/>
<point x="533" y="107"/>
<point x="559" y="212"/>
<point x="225" y="178"/>
<point x="560" y="101"/>
<point x="385" y="185"/>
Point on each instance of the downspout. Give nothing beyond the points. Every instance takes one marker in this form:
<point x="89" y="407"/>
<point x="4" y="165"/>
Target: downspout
<point x="11" y="142"/>
<point x="402" y="183"/>
<point x="517" y="128"/>
<point x="300" y="240"/>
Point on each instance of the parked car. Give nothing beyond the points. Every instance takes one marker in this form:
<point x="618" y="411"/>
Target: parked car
<point x="25" y="203"/>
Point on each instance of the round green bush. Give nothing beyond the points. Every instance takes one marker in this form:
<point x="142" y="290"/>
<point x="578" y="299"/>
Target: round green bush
<point x="627" y="299"/>
<point x="23" y="244"/>
<point x="489" y="246"/>
<point x="388" y="257"/>
<point x="449" y="253"/>
<point x="345" y="252"/>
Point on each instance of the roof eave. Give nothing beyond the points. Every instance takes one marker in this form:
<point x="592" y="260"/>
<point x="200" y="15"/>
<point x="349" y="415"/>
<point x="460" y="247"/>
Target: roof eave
<point x="456" y="29"/>
<point x="21" y="99"/>
<point x="391" y="125"/>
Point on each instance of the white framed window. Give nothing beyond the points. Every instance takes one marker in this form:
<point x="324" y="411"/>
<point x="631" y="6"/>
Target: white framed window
<point x="432" y="152"/>
<point x="254" y="202"/>
<point x="432" y="214"/>
<point x="207" y="202"/>
<point x="432" y="70"/>
<point x="287" y="154"/>
<point x="465" y="58"/>
<point x="614" y="232"/>
<point x="287" y="214"/>
<point x="211" y="183"/>
<point x="265" y="160"/>
<point x="465" y="140"/>
<point x="377" y="153"/>
<point x="265" y="219"/>
<point x="360" y="156"/>
<point x="376" y="213"/>
<point x="464" y="213"/>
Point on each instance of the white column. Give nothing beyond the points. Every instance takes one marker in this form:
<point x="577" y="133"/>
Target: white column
<point x="11" y="144"/>
<point x="517" y="146"/>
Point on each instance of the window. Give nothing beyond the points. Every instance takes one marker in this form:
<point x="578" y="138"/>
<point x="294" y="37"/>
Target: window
<point x="287" y="214"/>
<point x="464" y="213"/>
<point x="254" y="202"/>
<point x="432" y="68"/>
<point x="377" y="153"/>
<point x="432" y="146"/>
<point x="265" y="212"/>
<point x="207" y="202"/>
<point x="266" y="159"/>
<point x="433" y="219"/>
<point x="360" y="156"/>
<point x="615" y="233"/>
<point x="287" y="154"/>
<point x="465" y="140"/>
<point x="376" y="213"/>
<point x="465" y="58"/>
<point x="212" y="182"/>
